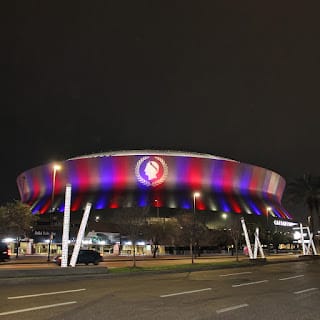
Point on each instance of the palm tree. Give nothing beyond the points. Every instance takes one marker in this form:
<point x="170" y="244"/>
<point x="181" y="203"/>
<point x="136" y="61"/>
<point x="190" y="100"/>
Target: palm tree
<point x="305" y="190"/>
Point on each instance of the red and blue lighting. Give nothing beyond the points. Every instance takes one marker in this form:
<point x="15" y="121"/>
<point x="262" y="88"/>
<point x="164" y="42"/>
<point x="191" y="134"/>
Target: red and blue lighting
<point x="112" y="180"/>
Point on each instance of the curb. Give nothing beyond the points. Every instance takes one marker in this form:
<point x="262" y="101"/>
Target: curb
<point x="309" y="257"/>
<point x="50" y="272"/>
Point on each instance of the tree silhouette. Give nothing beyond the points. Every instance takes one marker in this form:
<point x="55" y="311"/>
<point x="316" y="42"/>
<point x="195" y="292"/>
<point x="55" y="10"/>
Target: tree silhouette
<point x="305" y="190"/>
<point x="156" y="234"/>
<point x="16" y="220"/>
<point x="192" y="231"/>
<point x="132" y="222"/>
<point x="235" y="231"/>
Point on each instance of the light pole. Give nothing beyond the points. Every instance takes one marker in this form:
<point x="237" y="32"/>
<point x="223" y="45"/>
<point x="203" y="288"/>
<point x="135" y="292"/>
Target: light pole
<point x="195" y="195"/>
<point x="56" y="168"/>
<point x="268" y="210"/>
<point x="157" y="205"/>
<point x="268" y="231"/>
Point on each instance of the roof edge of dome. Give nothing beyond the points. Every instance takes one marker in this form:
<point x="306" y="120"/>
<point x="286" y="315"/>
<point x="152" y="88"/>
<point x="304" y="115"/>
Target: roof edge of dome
<point x="152" y="152"/>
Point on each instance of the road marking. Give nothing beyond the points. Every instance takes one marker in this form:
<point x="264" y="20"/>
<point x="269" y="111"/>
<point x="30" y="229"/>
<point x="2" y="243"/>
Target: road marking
<point x="234" y="274"/>
<point x="232" y="308"/>
<point x="184" y="292"/>
<point x="294" y="277"/>
<point x="37" y="308"/>
<point x="306" y="290"/>
<point x="249" y="283"/>
<point x="45" y="294"/>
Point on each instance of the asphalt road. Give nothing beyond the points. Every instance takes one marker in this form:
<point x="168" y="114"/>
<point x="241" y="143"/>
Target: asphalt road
<point x="285" y="291"/>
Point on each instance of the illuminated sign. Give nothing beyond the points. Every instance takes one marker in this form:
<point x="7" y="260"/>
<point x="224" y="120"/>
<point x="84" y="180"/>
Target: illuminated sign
<point x="151" y="171"/>
<point x="283" y="223"/>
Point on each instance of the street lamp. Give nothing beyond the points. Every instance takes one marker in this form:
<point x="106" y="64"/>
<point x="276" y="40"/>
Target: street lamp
<point x="195" y="195"/>
<point x="157" y="205"/>
<point x="268" y="210"/>
<point x="56" y="168"/>
<point x="268" y="231"/>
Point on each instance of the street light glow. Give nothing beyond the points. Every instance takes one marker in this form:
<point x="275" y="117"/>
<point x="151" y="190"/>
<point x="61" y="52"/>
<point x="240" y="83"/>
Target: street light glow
<point x="56" y="167"/>
<point x="196" y="194"/>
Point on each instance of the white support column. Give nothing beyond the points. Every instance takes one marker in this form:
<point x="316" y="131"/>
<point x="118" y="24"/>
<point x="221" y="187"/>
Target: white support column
<point x="256" y="238"/>
<point x="306" y="240"/>
<point x="311" y="242"/>
<point x="246" y="236"/>
<point x="66" y="227"/>
<point x="302" y="240"/>
<point x="80" y="235"/>
<point x="260" y="246"/>
<point x="308" y="250"/>
<point x="257" y="245"/>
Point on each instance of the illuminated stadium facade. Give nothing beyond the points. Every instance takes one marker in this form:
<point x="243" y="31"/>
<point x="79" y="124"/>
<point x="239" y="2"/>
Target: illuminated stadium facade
<point x="166" y="179"/>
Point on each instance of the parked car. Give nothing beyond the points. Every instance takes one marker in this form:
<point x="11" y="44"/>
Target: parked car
<point x="4" y="252"/>
<point x="85" y="256"/>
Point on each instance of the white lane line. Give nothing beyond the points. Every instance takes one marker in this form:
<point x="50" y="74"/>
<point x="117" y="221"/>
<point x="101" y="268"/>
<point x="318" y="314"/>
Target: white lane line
<point x="45" y="294"/>
<point x="248" y="283"/>
<point x="234" y="274"/>
<point x="293" y="277"/>
<point x="37" y="308"/>
<point x="232" y="308"/>
<point x="306" y="290"/>
<point x="184" y="292"/>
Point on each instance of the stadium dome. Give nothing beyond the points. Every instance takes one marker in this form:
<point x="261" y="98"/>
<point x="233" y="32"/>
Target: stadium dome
<point x="155" y="178"/>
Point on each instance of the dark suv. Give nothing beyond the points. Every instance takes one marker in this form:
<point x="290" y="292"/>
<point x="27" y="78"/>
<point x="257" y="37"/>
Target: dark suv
<point x="4" y="252"/>
<point x="85" y="256"/>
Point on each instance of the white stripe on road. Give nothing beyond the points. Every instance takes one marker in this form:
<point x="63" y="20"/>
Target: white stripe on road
<point x="45" y="294"/>
<point x="184" y="292"/>
<point x="37" y="308"/>
<point x="234" y="274"/>
<point x="306" y="290"/>
<point x="232" y="308"/>
<point x="294" y="277"/>
<point x="249" y="283"/>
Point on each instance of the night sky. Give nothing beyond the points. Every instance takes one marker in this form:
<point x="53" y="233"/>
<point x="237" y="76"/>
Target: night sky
<point x="234" y="79"/>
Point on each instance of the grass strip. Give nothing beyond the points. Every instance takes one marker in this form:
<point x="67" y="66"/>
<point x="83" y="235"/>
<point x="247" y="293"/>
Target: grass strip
<point x="178" y="267"/>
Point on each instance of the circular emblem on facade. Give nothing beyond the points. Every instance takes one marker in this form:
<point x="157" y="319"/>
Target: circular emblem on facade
<point x="151" y="171"/>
